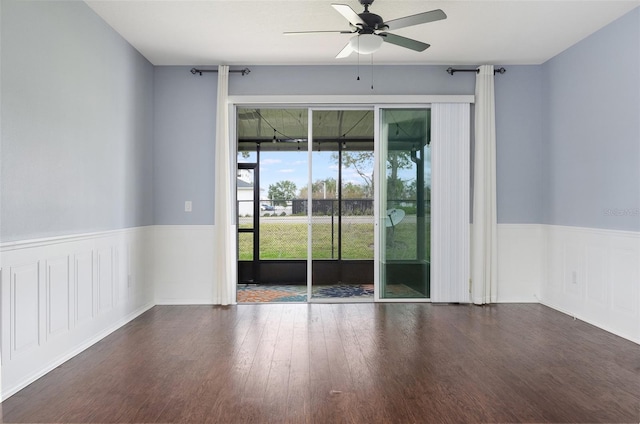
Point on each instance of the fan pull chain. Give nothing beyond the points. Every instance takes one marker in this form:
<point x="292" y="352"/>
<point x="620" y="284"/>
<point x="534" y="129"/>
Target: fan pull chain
<point x="358" y="53"/>
<point x="372" y="71"/>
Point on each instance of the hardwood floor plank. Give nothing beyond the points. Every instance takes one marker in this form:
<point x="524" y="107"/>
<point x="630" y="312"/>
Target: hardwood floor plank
<point x="275" y="400"/>
<point x="343" y="363"/>
<point x="299" y="388"/>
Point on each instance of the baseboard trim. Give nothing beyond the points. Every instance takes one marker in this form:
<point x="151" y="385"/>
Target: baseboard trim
<point x="75" y="351"/>
<point x="600" y="325"/>
<point x="183" y="302"/>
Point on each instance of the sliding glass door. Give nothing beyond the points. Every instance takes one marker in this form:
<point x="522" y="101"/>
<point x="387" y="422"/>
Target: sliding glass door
<point x="404" y="205"/>
<point x="307" y="203"/>
<point x="342" y="224"/>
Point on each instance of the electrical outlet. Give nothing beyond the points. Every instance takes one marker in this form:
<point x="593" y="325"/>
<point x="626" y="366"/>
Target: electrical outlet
<point x="188" y="206"/>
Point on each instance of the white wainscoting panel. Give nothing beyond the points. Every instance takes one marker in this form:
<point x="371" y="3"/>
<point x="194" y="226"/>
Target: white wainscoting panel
<point x="24" y="307"/>
<point x="521" y="262"/>
<point x="594" y="275"/>
<point x="183" y="264"/>
<point x="105" y="279"/>
<point x="84" y="283"/>
<point x="62" y="294"/>
<point x="58" y="294"/>
<point x="123" y="262"/>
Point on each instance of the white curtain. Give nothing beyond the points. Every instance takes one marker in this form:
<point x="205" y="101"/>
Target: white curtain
<point x="450" y="135"/>
<point x="484" y="268"/>
<point x="224" y="272"/>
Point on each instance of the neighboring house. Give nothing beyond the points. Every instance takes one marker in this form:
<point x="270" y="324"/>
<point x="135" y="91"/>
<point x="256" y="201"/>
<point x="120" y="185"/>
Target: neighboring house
<point x="244" y="198"/>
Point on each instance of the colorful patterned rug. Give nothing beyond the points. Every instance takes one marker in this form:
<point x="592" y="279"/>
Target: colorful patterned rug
<point x="257" y="293"/>
<point x="344" y="290"/>
<point x="248" y="293"/>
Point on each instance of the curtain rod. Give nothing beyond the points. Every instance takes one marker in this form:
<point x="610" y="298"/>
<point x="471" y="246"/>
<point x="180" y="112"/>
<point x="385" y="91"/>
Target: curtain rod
<point x="452" y="71"/>
<point x="244" y="71"/>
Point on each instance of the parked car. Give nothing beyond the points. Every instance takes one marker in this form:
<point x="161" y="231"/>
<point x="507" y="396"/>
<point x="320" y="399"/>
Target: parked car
<point x="266" y="207"/>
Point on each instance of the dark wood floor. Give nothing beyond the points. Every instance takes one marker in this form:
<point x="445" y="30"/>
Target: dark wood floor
<point x="360" y="363"/>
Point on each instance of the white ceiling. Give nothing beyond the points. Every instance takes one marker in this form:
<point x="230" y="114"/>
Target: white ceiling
<point x="249" y="32"/>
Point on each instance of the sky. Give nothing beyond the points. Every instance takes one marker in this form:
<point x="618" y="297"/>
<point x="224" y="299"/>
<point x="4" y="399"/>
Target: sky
<point x="293" y="166"/>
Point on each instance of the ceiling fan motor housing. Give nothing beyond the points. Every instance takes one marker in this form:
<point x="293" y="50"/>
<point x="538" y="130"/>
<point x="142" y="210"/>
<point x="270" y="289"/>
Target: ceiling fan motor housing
<point x="373" y="22"/>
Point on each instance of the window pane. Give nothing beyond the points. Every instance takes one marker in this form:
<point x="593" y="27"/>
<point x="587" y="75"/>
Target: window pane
<point x="405" y="211"/>
<point x="245" y="246"/>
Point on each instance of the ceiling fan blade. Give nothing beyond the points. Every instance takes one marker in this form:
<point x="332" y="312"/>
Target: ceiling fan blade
<point x="408" y="43"/>
<point x="420" y="18"/>
<point x="316" y="32"/>
<point x="349" y="14"/>
<point x="345" y="52"/>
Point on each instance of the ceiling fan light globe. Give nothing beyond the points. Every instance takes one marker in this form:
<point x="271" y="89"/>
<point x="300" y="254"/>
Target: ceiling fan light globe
<point x="366" y="43"/>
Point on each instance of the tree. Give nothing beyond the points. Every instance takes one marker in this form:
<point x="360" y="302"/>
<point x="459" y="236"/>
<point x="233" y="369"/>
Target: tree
<point x="395" y="185"/>
<point x="321" y="189"/>
<point x="282" y="191"/>
<point x="353" y="191"/>
<point x="362" y="163"/>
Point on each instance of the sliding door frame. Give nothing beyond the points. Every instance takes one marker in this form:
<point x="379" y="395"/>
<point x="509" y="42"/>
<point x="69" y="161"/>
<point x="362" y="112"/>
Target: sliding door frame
<point x="378" y="196"/>
<point x="339" y="102"/>
<point x="322" y="108"/>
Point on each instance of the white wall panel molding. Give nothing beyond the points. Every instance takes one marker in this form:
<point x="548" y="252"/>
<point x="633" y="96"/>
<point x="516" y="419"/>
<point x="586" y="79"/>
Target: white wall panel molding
<point x="521" y="262"/>
<point x="62" y="295"/>
<point x="24" y="301"/>
<point x="594" y="275"/>
<point x="183" y="266"/>
<point x="58" y="296"/>
<point x="106" y="277"/>
<point x="84" y="289"/>
<point x="50" y="241"/>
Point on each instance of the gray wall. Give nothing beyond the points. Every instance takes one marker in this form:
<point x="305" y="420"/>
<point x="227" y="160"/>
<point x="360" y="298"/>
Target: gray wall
<point x="77" y="133"/>
<point x="341" y="79"/>
<point x="95" y="138"/>
<point x="592" y="130"/>
<point x="184" y="115"/>
<point x="519" y="145"/>
<point x="185" y="128"/>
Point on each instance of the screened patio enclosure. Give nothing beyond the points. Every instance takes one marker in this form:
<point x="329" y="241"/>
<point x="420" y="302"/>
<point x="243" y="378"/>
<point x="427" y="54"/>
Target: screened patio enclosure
<point x="306" y="198"/>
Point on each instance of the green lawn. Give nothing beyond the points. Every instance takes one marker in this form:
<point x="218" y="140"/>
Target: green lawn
<point x="285" y="240"/>
<point x="282" y="240"/>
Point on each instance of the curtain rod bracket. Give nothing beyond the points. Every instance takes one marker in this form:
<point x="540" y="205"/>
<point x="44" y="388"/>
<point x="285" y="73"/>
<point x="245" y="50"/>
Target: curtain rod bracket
<point x="452" y="71"/>
<point x="244" y="71"/>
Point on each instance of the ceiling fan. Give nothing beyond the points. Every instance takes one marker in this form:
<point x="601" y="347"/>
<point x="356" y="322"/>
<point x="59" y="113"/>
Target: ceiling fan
<point x="370" y="29"/>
